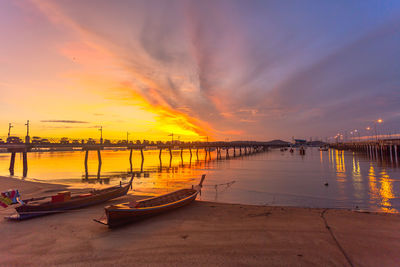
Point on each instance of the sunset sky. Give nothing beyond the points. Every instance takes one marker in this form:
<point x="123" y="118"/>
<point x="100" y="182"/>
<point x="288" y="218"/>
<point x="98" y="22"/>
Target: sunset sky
<point x="242" y="70"/>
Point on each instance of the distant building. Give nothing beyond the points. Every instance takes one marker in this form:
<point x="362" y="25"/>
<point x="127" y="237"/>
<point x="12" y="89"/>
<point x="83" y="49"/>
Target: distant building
<point x="300" y="141"/>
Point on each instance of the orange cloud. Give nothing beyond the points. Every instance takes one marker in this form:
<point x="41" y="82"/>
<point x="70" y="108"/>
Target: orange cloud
<point x="89" y="53"/>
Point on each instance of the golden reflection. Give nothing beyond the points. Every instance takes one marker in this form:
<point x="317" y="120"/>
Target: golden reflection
<point x="357" y="179"/>
<point x="332" y="158"/>
<point x="65" y="167"/>
<point x="372" y="182"/>
<point x="329" y="154"/>
<point x="340" y="165"/>
<point x="320" y="156"/>
<point x="386" y="192"/>
<point x="356" y="169"/>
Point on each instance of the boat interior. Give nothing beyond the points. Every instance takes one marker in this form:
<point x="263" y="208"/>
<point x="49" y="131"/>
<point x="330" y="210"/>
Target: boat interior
<point x="159" y="200"/>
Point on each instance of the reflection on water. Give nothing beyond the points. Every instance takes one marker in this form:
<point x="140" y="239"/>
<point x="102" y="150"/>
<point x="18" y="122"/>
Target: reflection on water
<point x="386" y="192"/>
<point x="333" y="178"/>
<point x="340" y="165"/>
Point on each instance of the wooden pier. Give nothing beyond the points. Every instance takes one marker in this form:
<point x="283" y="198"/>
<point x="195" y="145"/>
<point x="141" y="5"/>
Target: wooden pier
<point x="243" y="147"/>
<point x="379" y="150"/>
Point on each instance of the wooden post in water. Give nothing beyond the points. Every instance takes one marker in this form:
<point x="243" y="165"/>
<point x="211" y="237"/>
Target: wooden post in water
<point x="190" y="150"/>
<point x="130" y="160"/>
<point x="160" y="163"/>
<point x="99" y="167"/>
<point x="25" y="164"/>
<point x="234" y="151"/>
<point x="159" y="155"/>
<point x="182" y="156"/>
<point x="240" y="151"/>
<point x="141" y="152"/>
<point x="205" y="150"/>
<point x="86" y="164"/>
<point x="227" y="153"/>
<point x="170" y="154"/>
<point x="197" y="153"/>
<point x="12" y="163"/>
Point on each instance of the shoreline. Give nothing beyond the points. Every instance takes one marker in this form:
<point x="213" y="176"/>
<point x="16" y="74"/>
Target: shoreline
<point x="201" y="233"/>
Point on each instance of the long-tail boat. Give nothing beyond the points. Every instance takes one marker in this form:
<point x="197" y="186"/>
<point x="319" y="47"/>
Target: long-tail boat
<point x="35" y="207"/>
<point x="120" y="214"/>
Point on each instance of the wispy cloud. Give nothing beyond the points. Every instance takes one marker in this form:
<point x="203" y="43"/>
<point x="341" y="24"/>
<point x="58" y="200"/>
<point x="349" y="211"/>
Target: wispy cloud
<point x="268" y="69"/>
<point x="64" y="121"/>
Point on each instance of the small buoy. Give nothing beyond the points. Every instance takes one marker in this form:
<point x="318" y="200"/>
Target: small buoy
<point x="326" y="184"/>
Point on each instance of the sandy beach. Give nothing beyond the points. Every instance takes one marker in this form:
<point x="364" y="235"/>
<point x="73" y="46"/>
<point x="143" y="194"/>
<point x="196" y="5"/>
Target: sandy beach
<point x="203" y="233"/>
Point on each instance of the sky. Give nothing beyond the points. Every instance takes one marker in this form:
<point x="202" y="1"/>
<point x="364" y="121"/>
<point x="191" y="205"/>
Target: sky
<point x="229" y="70"/>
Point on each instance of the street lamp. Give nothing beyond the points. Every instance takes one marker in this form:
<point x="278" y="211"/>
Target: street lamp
<point x="9" y="129"/>
<point x="359" y="138"/>
<point x="376" y="133"/>
<point x="101" y="135"/>
<point x="368" y="128"/>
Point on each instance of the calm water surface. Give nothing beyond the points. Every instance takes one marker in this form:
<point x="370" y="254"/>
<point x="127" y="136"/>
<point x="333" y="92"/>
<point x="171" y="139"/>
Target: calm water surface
<point x="273" y="177"/>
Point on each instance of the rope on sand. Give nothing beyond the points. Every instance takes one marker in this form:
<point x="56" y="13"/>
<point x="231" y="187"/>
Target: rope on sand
<point x="334" y="238"/>
<point x="216" y="185"/>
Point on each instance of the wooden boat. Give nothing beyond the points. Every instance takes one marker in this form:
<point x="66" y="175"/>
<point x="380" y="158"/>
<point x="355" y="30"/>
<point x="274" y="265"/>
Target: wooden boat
<point x="35" y="208"/>
<point x="116" y="215"/>
<point x="324" y="148"/>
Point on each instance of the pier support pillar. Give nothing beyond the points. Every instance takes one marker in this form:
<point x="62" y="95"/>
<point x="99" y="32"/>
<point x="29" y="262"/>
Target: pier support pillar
<point x="160" y="164"/>
<point x="182" y="156"/>
<point x="227" y="153"/>
<point x="12" y="163"/>
<point x="130" y="160"/>
<point x="99" y="167"/>
<point x="141" y="153"/>
<point x="25" y="164"/>
<point x="234" y="151"/>
<point x="159" y="155"/>
<point x="190" y="151"/>
<point x="86" y="164"/>
<point x="197" y="153"/>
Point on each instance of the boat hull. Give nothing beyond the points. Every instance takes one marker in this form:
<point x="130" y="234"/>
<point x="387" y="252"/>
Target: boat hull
<point x="116" y="217"/>
<point x="30" y="211"/>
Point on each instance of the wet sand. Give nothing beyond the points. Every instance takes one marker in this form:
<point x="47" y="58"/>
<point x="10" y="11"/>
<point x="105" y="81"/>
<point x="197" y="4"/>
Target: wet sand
<point x="203" y="233"/>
